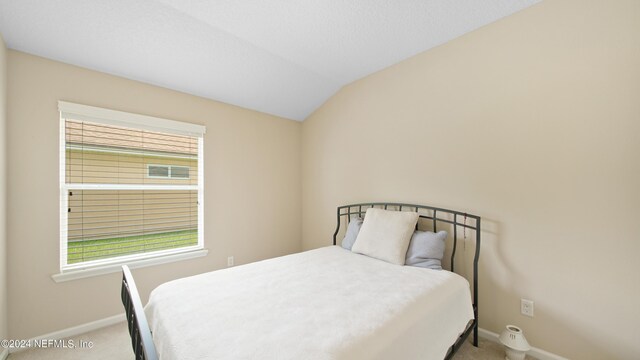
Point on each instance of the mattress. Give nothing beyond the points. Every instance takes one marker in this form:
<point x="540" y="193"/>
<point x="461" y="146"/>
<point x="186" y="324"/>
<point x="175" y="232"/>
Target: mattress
<point x="327" y="303"/>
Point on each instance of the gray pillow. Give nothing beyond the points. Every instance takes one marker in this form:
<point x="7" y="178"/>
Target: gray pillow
<point x="352" y="233"/>
<point x="426" y="249"/>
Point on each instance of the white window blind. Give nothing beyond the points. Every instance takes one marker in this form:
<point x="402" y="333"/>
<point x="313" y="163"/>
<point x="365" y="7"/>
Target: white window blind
<point x="112" y="211"/>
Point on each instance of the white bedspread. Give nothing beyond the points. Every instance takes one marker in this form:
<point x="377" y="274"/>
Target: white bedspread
<point x="327" y="303"/>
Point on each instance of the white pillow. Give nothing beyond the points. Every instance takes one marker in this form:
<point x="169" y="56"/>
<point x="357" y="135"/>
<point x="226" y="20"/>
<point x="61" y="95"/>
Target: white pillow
<point x="385" y="235"/>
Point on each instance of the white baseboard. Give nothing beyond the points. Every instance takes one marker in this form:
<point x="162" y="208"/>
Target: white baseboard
<point x="535" y="352"/>
<point x="73" y="331"/>
<point x="112" y="320"/>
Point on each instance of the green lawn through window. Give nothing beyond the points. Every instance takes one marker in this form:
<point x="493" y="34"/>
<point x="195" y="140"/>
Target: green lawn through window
<point x="79" y="251"/>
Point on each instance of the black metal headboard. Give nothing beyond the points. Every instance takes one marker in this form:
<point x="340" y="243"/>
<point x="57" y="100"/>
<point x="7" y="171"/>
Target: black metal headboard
<point x="435" y="215"/>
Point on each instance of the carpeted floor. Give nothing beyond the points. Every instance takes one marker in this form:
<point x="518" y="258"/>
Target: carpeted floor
<point x="112" y="343"/>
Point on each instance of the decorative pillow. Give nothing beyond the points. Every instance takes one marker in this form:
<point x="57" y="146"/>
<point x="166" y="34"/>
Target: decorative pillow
<point x="385" y="235"/>
<point x="352" y="233"/>
<point x="426" y="249"/>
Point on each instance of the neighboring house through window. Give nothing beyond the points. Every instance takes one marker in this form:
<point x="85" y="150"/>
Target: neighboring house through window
<point x="131" y="187"/>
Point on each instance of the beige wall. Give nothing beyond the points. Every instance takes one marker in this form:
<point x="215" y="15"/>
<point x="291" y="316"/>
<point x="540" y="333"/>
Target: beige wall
<point x="3" y="188"/>
<point x="252" y="189"/>
<point x="532" y="122"/>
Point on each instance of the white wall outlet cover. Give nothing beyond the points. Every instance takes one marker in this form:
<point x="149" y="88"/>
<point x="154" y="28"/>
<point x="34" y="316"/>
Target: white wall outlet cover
<point x="526" y="307"/>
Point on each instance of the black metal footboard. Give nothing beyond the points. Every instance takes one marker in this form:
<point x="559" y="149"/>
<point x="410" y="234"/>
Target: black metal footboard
<point x="471" y="327"/>
<point x="141" y="339"/>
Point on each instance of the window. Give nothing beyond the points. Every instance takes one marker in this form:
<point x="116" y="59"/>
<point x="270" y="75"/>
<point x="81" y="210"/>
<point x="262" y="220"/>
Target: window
<point x="131" y="187"/>
<point x="179" y="172"/>
<point x="158" y="171"/>
<point x="167" y="171"/>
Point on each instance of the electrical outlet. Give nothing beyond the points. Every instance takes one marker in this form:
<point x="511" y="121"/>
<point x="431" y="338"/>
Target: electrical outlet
<point x="526" y="307"/>
<point x="230" y="261"/>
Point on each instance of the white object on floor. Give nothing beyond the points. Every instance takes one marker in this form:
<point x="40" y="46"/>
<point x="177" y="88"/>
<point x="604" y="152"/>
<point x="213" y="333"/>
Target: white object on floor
<point x="515" y="345"/>
<point x="327" y="303"/>
<point x="535" y="352"/>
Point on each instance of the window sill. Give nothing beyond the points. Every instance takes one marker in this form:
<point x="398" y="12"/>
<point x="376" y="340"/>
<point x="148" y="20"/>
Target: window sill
<point x="117" y="267"/>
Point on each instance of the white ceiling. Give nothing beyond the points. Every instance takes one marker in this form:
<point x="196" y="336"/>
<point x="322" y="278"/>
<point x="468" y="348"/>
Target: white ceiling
<point x="282" y="57"/>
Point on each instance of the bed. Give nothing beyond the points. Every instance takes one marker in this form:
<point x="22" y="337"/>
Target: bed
<point x="326" y="303"/>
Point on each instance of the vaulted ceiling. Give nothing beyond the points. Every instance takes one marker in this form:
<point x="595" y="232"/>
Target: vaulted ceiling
<point x="282" y="57"/>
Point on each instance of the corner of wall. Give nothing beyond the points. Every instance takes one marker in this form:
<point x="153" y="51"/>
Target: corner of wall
<point x="3" y="189"/>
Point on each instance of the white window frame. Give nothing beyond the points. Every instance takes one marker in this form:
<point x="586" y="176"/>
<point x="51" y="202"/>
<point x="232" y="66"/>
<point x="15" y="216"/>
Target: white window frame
<point x="169" y="172"/>
<point x="143" y="122"/>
